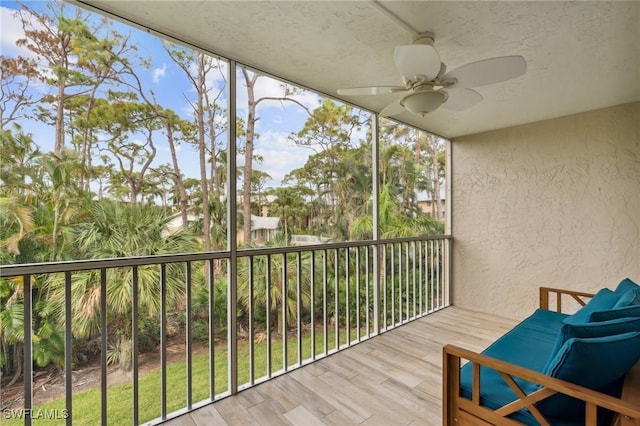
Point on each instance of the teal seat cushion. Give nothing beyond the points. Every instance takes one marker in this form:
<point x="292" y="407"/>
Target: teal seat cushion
<point x="603" y="299"/>
<point x="594" y="329"/>
<point x="626" y="285"/>
<point x="598" y="363"/>
<point x="528" y="345"/>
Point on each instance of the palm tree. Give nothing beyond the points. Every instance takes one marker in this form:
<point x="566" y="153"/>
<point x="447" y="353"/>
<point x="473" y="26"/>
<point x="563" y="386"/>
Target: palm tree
<point x="288" y="205"/>
<point x="120" y="230"/>
<point x="275" y="290"/>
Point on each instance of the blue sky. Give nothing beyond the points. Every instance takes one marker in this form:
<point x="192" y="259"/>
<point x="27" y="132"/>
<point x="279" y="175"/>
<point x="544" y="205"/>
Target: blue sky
<point x="171" y="88"/>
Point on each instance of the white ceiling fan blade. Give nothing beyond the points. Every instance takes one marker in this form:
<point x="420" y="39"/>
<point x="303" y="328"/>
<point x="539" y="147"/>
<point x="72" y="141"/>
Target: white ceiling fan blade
<point x="460" y="99"/>
<point x="373" y="90"/>
<point x="392" y="109"/>
<point x="417" y="59"/>
<point x="487" y="71"/>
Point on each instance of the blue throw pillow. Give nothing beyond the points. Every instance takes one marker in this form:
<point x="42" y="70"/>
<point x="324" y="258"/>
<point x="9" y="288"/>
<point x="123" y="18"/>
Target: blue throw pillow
<point x="629" y="298"/>
<point x="609" y="314"/>
<point x="626" y="285"/>
<point x="604" y="299"/>
<point x="596" y="363"/>
<point x="593" y="329"/>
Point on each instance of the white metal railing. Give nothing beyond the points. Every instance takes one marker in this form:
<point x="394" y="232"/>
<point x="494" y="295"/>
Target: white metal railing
<point x="296" y="304"/>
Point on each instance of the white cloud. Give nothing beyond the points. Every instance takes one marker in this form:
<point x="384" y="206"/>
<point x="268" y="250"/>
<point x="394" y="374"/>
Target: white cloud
<point x="215" y="78"/>
<point x="159" y="73"/>
<point x="267" y="87"/>
<point x="11" y="32"/>
<point x="280" y="156"/>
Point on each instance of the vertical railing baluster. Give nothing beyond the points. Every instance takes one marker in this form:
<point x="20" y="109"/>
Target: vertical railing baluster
<point x="347" y="296"/>
<point x="27" y="349"/>
<point x="251" y="317"/>
<point x="436" y="275"/>
<point x="325" y="303"/>
<point x="383" y="258"/>
<point x="337" y="301"/>
<point x="420" y="281"/>
<point x="163" y="341"/>
<point x="400" y="276"/>
<point x="103" y="341"/>
<point x="268" y="313"/>
<point x="358" y="293"/>
<point x="431" y="277"/>
<point x="393" y="284"/>
<point x="434" y="278"/>
<point x="448" y="243"/>
<point x="212" y="316"/>
<point x="299" y="303"/>
<point x="68" y="349"/>
<point x="439" y="275"/>
<point x="313" y="304"/>
<point x="367" y="282"/>
<point x="426" y="276"/>
<point x="406" y="281"/>
<point x="188" y="331"/>
<point x="283" y="297"/>
<point x="134" y="344"/>
<point x="425" y="273"/>
<point x="425" y="260"/>
<point x="400" y="285"/>
<point x="413" y="274"/>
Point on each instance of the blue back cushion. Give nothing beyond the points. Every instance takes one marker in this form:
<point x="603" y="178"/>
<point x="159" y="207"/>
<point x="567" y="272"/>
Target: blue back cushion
<point x="594" y="329"/>
<point x="628" y="305"/>
<point x="628" y="298"/>
<point x="603" y="299"/>
<point x="610" y="314"/>
<point x="626" y="285"/>
<point x="596" y="363"/>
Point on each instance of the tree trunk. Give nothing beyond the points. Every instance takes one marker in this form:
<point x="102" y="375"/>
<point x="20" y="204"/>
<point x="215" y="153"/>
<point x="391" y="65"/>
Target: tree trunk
<point x="435" y="171"/>
<point x="59" y="141"/>
<point x="204" y="187"/>
<point x="17" y="363"/>
<point x="248" y="156"/>
<point x="125" y="354"/>
<point x="176" y="170"/>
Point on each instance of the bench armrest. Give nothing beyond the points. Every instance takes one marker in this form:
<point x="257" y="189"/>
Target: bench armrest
<point x="460" y="410"/>
<point x="578" y="296"/>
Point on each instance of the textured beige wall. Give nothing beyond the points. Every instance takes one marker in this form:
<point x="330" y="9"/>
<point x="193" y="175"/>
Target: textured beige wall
<point x="553" y="203"/>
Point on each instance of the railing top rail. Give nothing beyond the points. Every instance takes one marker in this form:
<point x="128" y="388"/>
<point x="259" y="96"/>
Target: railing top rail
<point x="409" y="239"/>
<point x="87" y="264"/>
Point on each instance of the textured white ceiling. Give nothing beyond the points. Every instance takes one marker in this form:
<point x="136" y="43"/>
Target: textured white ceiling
<point x="580" y="55"/>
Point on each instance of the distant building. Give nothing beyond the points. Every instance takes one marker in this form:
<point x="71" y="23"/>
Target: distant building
<point x="427" y="205"/>
<point x="175" y="224"/>
<point x="264" y="228"/>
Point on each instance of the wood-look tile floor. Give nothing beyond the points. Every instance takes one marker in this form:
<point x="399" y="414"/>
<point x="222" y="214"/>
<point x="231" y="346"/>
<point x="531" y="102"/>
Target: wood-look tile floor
<point x="391" y="379"/>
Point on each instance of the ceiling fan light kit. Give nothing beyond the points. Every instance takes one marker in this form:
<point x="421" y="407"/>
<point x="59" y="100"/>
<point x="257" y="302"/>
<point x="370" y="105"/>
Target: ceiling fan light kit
<point x="424" y="102"/>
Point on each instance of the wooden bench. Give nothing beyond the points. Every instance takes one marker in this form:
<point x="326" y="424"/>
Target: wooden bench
<point x="458" y="410"/>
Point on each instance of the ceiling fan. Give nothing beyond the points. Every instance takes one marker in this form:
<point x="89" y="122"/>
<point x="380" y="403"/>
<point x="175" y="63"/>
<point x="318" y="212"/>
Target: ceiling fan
<point x="427" y="84"/>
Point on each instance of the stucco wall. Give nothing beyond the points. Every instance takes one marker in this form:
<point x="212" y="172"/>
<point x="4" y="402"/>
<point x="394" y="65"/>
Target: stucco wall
<point x="554" y="203"/>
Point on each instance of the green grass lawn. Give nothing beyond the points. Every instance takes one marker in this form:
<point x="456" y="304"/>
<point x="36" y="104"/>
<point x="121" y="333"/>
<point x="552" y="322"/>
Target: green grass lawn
<point x="87" y="406"/>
